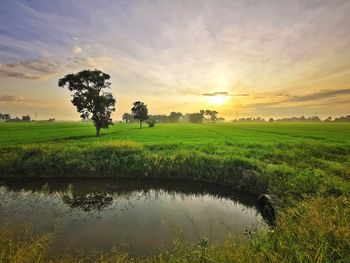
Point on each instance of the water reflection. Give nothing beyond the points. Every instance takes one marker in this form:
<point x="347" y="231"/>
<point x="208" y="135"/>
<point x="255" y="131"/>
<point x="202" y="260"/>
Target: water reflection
<point x="143" y="215"/>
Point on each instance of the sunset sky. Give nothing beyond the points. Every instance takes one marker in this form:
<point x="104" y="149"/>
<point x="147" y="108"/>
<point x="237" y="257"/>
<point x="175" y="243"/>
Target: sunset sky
<point x="247" y="58"/>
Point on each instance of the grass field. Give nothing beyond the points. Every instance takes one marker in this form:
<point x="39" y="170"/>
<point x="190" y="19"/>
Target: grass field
<point x="307" y="165"/>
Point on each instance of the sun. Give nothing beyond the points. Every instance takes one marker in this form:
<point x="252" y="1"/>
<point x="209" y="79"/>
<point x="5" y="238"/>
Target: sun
<point x="218" y="100"/>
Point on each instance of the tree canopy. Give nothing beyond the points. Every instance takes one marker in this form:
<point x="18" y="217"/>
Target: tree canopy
<point x="196" y="117"/>
<point x="212" y="115"/>
<point x="5" y="116"/>
<point x="140" y="111"/>
<point x="90" y="97"/>
<point x="127" y="117"/>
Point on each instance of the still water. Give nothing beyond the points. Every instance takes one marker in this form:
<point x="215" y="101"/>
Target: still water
<point x="140" y="216"/>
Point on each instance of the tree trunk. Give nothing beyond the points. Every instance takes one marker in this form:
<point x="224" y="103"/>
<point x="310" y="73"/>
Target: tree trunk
<point x="98" y="129"/>
<point x="140" y="124"/>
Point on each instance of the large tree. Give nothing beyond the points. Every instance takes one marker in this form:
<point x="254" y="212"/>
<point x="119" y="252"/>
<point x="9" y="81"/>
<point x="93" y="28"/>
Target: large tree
<point x="140" y="111"/>
<point x="90" y="96"/>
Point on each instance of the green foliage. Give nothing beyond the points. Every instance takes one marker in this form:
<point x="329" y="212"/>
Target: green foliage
<point x="212" y="115"/>
<point x="196" y="117"/>
<point x="151" y="122"/>
<point x="140" y="111"/>
<point x="89" y="96"/>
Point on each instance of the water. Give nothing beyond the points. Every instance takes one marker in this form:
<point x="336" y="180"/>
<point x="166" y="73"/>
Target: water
<point x="141" y="216"/>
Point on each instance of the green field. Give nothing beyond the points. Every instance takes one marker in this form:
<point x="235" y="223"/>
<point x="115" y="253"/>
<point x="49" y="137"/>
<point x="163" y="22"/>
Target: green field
<point x="20" y="133"/>
<point x="306" y="165"/>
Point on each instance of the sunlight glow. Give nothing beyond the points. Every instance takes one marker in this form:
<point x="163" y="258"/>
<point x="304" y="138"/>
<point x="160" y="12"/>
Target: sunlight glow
<point x="218" y="100"/>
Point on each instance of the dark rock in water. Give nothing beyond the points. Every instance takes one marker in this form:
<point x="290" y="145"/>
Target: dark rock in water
<point x="267" y="209"/>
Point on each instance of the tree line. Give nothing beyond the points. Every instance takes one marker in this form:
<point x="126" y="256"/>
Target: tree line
<point x="295" y="119"/>
<point x="25" y="118"/>
<point x="175" y="117"/>
<point x="7" y="117"/>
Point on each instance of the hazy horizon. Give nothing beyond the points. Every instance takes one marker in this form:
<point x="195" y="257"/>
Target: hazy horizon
<point x="255" y="58"/>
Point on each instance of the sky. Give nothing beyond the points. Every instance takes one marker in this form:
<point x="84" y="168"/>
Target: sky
<point x="242" y="58"/>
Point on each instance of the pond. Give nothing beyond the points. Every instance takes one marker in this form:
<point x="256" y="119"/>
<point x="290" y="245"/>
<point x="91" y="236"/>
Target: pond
<point x="140" y="216"/>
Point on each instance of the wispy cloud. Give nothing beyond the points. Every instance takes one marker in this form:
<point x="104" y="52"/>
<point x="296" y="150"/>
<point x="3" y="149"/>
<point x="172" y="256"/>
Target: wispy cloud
<point x="77" y="50"/>
<point x="331" y="96"/>
<point x="218" y="93"/>
<point x="10" y="98"/>
<point x="224" y="93"/>
<point x="324" y="94"/>
<point x="41" y="69"/>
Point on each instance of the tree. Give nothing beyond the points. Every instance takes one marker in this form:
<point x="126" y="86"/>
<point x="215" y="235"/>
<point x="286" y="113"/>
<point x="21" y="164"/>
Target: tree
<point x="5" y="116"/>
<point x="175" y="116"/>
<point x="213" y="115"/>
<point x="90" y="96"/>
<point x="26" y="118"/>
<point x="140" y="111"/>
<point x="329" y="119"/>
<point x="151" y="122"/>
<point x="196" y="117"/>
<point x="127" y="117"/>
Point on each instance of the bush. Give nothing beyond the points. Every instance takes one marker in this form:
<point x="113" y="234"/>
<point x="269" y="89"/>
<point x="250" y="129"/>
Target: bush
<point x="151" y="123"/>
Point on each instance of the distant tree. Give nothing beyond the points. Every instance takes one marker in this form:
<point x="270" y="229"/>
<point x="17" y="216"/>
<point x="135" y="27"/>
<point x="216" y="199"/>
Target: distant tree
<point x="175" y="116"/>
<point x="5" y="116"/>
<point x="271" y="120"/>
<point x="342" y="119"/>
<point x="221" y="119"/>
<point x="329" y="119"/>
<point x="140" y="111"/>
<point x="212" y="115"/>
<point x="26" y="118"/>
<point x="151" y="122"/>
<point x="90" y="96"/>
<point x="314" y="118"/>
<point x="15" y="119"/>
<point x="127" y="117"/>
<point x="196" y="117"/>
<point x="207" y="113"/>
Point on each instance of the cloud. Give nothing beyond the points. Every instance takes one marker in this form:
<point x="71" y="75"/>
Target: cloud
<point x="97" y="62"/>
<point x="77" y="50"/>
<point x="10" y="98"/>
<point x="221" y="93"/>
<point x="42" y="69"/>
<point x="224" y="93"/>
<point x="318" y="95"/>
<point x="30" y="69"/>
